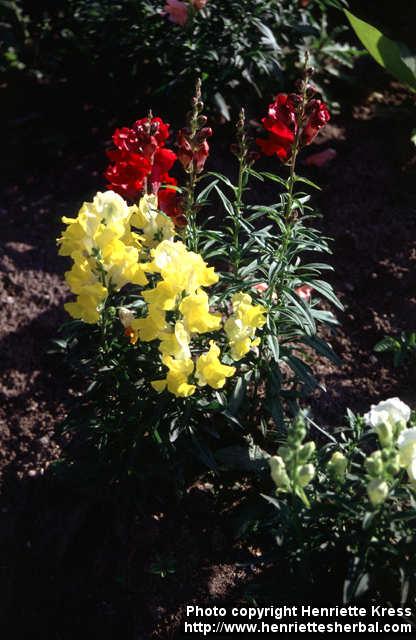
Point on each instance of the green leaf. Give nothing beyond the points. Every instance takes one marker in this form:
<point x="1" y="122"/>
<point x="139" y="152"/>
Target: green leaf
<point x="308" y="182"/>
<point x="273" y="343"/>
<point x="273" y="501"/>
<point x="388" y="53"/>
<point x="387" y="344"/>
<point x="237" y="396"/>
<point x="202" y="196"/>
<point x="244" y="458"/>
<point x="227" y="204"/>
<point x="222" y="106"/>
<point x="274" y="178"/>
<point x="321" y="347"/>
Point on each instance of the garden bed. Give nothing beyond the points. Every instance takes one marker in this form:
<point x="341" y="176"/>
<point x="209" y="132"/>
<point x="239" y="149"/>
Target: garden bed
<point x="84" y="556"/>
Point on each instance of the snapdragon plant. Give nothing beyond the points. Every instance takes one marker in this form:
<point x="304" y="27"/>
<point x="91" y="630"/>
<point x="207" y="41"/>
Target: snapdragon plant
<point x="269" y="252"/>
<point x="185" y="321"/>
<point x="339" y="523"/>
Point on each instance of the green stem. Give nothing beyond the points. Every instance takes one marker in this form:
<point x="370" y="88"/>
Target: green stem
<point x="236" y="218"/>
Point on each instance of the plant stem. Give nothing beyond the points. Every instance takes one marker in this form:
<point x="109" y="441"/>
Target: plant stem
<point x="189" y="211"/>
<point x="237" y="213"/>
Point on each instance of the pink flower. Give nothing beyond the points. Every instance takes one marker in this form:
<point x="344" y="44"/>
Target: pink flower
<point x="199" y="4"/>
<point x="322" y="158"/>
<point x="177" y="11"/>
<point x="304" y="292"/>
<point x="261" y="287"/>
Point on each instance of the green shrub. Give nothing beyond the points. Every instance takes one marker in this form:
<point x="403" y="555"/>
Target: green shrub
<point x="97" y="47"/>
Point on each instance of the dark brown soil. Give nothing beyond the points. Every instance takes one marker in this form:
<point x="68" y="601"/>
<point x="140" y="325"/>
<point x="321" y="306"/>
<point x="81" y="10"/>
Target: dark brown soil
<point x="70" y="564"/>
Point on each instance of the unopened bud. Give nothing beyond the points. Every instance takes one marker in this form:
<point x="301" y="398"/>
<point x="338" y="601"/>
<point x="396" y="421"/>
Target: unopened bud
<point x="306" y="451"/>
<point x="384" y="431"/>
<point x="337" y="465"/>
<point x="298" y="430"/>
<point x="393" y="465"/>
<point x="374" y="464"/>
<point x="126" y="316"/>
<point x="286" y="453"/>
<point x="278" y="473"/>
<point x="306" y="474"/>
<point x="377" y="490"/>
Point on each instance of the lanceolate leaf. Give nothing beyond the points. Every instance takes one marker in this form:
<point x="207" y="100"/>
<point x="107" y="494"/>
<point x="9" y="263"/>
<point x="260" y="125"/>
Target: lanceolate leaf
<point x="388" y="53"/>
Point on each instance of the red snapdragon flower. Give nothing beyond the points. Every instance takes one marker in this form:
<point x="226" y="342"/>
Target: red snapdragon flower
<point x="151" y="134"/>
<point x="281" y="126"/>
<point x="141" y="160"/>
<point x="318" y="116"/>
<point x="169" y="202"/>
<point x="193" y="152"/>
<point x="163" y="161"/>
<point x="127" y="172"/>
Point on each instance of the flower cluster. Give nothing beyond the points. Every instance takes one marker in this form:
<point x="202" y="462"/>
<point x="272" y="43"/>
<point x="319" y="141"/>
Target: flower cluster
<point x="292" y="470"/>
<point x="241" y="326"/>
<point x="288" y="122"/>
<point x="113" y="244"/>
<point x="398" y="447"/>
<point x="141" y="162"/>
<point x="178" y="310"/>
<point x="104" y="251"/>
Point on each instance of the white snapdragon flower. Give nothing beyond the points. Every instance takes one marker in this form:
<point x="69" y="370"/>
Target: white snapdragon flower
<point x="385" y="416"/>
<point x="407" y="451"/>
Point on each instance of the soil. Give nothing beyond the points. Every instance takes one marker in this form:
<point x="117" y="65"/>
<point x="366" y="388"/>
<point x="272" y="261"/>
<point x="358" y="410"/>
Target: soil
<point x="75" y="562"/>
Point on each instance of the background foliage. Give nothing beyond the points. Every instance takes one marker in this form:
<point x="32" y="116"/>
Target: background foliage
<point x="101" y="46"/>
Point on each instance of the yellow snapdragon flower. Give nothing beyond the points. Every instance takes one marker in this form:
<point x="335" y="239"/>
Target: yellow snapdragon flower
<point x="242" y="324"/>
<point x="183" y="269"/>
<point x="155" y="226"/>
<point x="175" y="342"/>
<point x="209" y="369"/>
<point x="95" y="240"/>
<point x="196" y="314"/>
<point x="176" y="380"/>
<point x="88" y="303"/>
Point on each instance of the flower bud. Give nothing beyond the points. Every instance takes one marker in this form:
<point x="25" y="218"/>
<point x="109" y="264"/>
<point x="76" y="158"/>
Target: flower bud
<point x="374" y="464"/>
<point x="126" y="316"/>
<point x="384" y="431"/>
<point x="306" y="474"/>
<point x="306" y="451"/>
<point x="298" y="429"/>
<point x="393" y="465"/>
<point x="337" y="466"/>
<point x="278" y="473"/>
<point x="377" y="490"/>
<point x="286" y="453"/>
